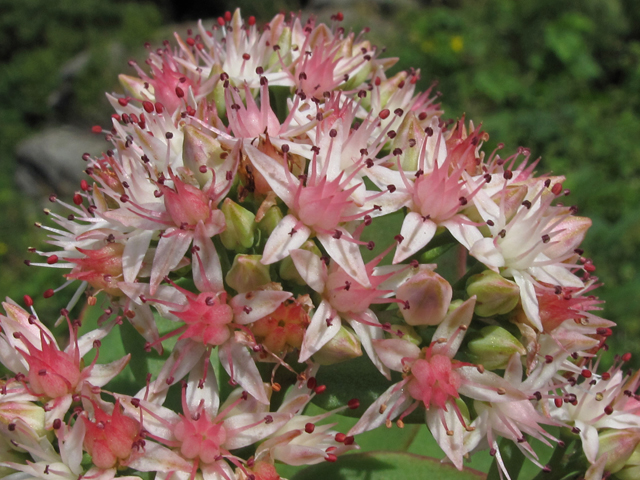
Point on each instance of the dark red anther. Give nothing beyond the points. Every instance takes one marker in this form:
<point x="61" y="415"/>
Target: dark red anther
<point x="96" y="129"/>
<point x="320" y="389"/>
<point x="354" y="403"/>
<point x="191" y="42"/>
<point x="340" y="437"/>
<point x="251" y="21"/>
<point x="148" y="106"/>
<point x="586" y="373"/>
<point x="48" y="293"/>
<point x="84" y="185"/>
<point x="558" y="402"/>
<point x="309" y="427"/>
<point x="123" y="102"/>
<point x="626" y="357"/>
<point x="52" y="259"/>
<point x="227" y="16"/>
<point x="608" y="409"/>
<point x="159" y="107"/>
<point x="349" y="440"/>
<point x="311" y="383"/>
<point x="28" y="301"/>
<point x="384" y="113"/>
<point x="339" y="16"/>
<point x="179" y="92"/>
<point x="606" y="376"/>
<point x="221" y="21"/>
<point x="556" y="189"/>
<point x="331" y="457"/>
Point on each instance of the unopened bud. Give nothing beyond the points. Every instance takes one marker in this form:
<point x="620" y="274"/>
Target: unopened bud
<point x="241" y="225"/>
<point x="495" y="295"/>
<point x="494" y="347"/>
<point x="270" y="220"/>
<point x="28" y="413"/>
<point x="344" y="346"/>
<point x="134" y="86"/>
<point x="247" y="273"/>
<point x="409" y="138"/>
<point x="427" y="296"/>
<point x="200" y="149"/>
<point x="619" y="446"/>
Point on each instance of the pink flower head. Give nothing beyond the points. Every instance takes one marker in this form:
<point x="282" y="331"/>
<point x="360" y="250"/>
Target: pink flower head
<point x="110" y="437"/>
<point x="101" y="268"/>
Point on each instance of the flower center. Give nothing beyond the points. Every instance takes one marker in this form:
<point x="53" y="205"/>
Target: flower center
<point x="201" y="438"/>
<point x="207" y="317"/>
<point x="283" y="330"/>
<point x="434" y="381"/>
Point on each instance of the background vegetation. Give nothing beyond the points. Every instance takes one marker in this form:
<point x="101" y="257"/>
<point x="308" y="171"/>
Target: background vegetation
<point x="562" y="78"/>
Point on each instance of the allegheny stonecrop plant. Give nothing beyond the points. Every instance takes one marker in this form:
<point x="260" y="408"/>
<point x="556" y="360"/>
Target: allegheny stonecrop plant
<point x="272" y="205"/>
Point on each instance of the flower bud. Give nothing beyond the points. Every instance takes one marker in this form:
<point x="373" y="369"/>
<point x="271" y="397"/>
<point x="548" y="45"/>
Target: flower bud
<point x="241" y="225"/>
<point x="618" y="445"/>
<point x="495" y="294"/>
<point x="135" y="86"/>
<point x="631" y="469"/>
<point x="27" y="412"/>
<point x="270" y="220"/>
<point x="494" y="347"/>
<point x="409" y="133"/>
<point x="427" y="297"/>
<point x="288" y="270"/>
<point x="344" y="346"/>
<point x="247" y="273"/>
<point x="200" y="149"/>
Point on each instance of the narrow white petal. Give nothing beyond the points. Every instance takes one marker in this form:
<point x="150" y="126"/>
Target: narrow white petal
<point x="529" y="299"/>
<point x="207" y="273"/>
<point x="134" y="252"/>
<point x="288" y="235"/>
<point x="258" y="304"/>
<point x="346" y="254"/>
<point x="466" y="234"/>
<point x="416" y="233"/>
<point x="274" y="173"/>
<point x="206" y="393"/>
<point x="319" y="331"/>
<point x="367" y="334"/>
<point x="237" y="361"/>
<point x="392" y="351"/>
<point x="171" y="249"/>
<point x="310" y="268"/>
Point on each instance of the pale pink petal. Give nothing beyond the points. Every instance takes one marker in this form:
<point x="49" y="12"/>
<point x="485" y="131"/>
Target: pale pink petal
<point x="367" y="334"/>
<point x="485" y="251"/>
<point x="310" y="268"/>
<point x="134" y="252"/>
<point x="288" y="235"/>
<point x="71" y="448"/>
<point x="416" y="233"/>
<point x="451" y="445"/>
<point x="238" y="435"/>
<point x="274" y="173"/>
<point x="529" y="298"/>
<point x="460" y="229"/>
<point x="251" y="306"/>
<point x="324" y="325"/>
<point x="207" y="273"/>
<point x="589" y="437"/>
<point x="392" y="351"/>
<point x="56" y="408"/>
<point x="239" y="364"/>
<point x="556" y="275"/>
<point x="217" y="471"/>
<point x="103" y="373"/>
<point x="372" y="418"/>
<point x="171" y="249"/>
<point x="488" y="386"/>
<point x="346" y="254"/>
<point x="158" y="458"/>
<point x="206" y="393"/>
<point x="567" y="236"/>
<point x="460" y="317"/>
<point x="189" y="353"/>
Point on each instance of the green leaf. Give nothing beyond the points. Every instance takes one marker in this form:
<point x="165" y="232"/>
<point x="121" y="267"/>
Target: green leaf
<point x="386" y="466"/>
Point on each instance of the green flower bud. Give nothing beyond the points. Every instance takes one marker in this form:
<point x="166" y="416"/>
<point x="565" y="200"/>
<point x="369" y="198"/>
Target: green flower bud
<point x="270" y="220"/>
<point x="247" y="273"/>
<point x="410" y="132"/>
<point x="241" y="225"/>
<point x="427" y="295"/>
<point x="31" y="414"/>
<point x="494" y="348"/>
<point x="495" y="294"/>
<point x="344" y="346"/>
<point x="619" y="446"/>
<point x="135" y="86"/>
<point x="200" y="149"/>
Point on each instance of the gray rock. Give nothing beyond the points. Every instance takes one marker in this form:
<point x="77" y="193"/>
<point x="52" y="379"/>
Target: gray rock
<point x="51" y="161"/>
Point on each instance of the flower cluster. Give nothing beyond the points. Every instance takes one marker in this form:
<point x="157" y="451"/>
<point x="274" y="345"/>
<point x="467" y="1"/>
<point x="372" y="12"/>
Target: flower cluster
<point x="249" y="171"/>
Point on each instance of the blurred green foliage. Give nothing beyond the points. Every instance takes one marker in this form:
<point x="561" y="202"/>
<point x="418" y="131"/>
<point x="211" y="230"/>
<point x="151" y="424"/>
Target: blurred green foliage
<point x="562" y="78"/>
<point x="37" y="39"/>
